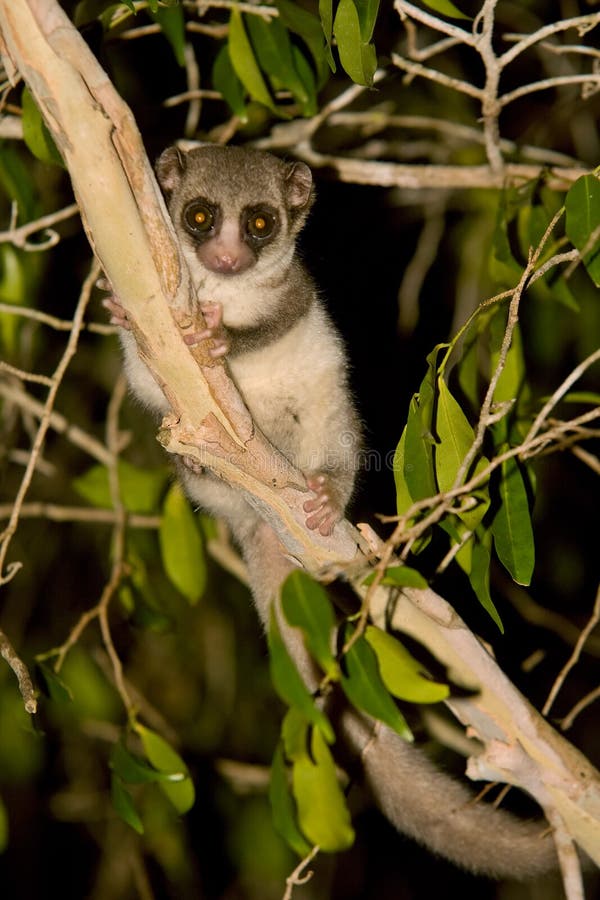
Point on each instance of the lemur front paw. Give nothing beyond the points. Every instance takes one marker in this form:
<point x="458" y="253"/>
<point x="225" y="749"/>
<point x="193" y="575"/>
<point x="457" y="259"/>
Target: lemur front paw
<point x="193" y="465"/>
<point x="118" y="316"/>
<point x="213" y="316"/>
<point x="324" y="509"/>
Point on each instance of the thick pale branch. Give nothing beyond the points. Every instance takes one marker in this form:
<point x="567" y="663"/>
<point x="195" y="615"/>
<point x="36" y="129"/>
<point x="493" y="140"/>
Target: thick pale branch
<point x="416" y="177"/>
<point x="521" y="747"/>
<point x="103" y="151"/>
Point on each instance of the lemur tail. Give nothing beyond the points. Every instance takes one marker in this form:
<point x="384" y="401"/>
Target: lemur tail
<point x="438" y="811"/>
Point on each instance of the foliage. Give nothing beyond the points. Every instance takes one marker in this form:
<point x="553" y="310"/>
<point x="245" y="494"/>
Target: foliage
<point x="176" y="678"/>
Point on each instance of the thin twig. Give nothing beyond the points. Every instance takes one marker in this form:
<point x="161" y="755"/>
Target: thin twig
<point x="44" y="425"/>
<point x="579" y="707"/>
<point x="297" y="878"/>
<point x="20" y="669"/>
<point x="55" y="513"/>
<point x="574" y="658"/>
<point x="18" y="236"/>
<point x="559" y="393"/>
<point x="56" y="421"/>
<point x="53" y="321"/>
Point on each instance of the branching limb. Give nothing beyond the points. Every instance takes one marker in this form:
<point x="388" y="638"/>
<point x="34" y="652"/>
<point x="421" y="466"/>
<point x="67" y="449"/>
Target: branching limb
<point x="26" y="687"/>
<point x="38" y="443"/>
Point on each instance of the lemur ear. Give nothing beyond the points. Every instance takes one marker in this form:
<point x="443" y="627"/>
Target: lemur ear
<point x="170" y="167"/>
<point x="299" y="185"/>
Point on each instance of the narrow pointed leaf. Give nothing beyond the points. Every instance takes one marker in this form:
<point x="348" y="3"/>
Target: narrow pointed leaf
<point x="326" y="14"/>
<point x="164" y="758"/>
<point x="225" y="81"/>
<point x="134" y="770"/>
<point x="244" y="61"/>
<point x="357" y="56"/>
<point x="455" y="440"/>
<point x="513" y="534"/>
<point x="272" y="46"/>
<point x="124" y="805"/>
<point x="181" y="546"/>
<point x="53" y="684"/>
<point x="583" y="218"/>
<point x="400" y="576"/>
<point x="283" y="806"/>
<point x="36" y="134"/>
<point x="289" y="685"/>
<point x="308" y="27"/>
<point x="365" y="689"/>
<point x="295" y="734"/>
<point x="479" y="576"/>
<point x="306" y="605"/>
<point x="404" y="499"/>
<point x="322" y="810"/>
<point x="446" y="8"/>
<point x="512" y="376"/>
<point x="418" y="454"/>
<point x="367" y="16"/>
<point x="140" y="489"/>
<point x="306" y="75"/>
<point x="172" y="25"/>
<point x="456" y="437"/>
<point x="401" y="673"/>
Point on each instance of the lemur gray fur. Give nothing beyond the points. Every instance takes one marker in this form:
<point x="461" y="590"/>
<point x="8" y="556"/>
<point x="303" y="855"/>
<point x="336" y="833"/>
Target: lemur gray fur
<point x="237" y="213"/>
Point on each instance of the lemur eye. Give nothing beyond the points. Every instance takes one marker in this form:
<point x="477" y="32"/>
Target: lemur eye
<point x="198" y="217"/>
<point x="260" y="224"/>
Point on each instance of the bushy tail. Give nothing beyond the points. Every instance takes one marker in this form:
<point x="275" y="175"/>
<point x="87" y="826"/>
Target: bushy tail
<point x="438" y="811"/>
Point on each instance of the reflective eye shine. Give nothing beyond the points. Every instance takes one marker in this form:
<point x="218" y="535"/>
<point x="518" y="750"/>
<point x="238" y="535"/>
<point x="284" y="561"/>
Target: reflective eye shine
<point x="198" y="217"/>
<point x="260" y="224"/>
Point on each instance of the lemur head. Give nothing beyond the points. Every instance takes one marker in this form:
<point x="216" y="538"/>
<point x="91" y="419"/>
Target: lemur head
<point x="235" y="208"/>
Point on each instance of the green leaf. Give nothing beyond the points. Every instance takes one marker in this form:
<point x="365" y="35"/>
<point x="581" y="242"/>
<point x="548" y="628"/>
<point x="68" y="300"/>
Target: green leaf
<point x="478" y="554"/>
<point x="229" y="85"/>
<point x="403" y="496"/>
<point x="295" y="734"/>
<point x="455" y="440"/>
<point x="446" y="8"/>
<point x="455" y="435"/>
<point x="244" y="62"/>
<point x="283" y="806"/>
<point x="581" y="397"/>
<point x="400" y="576"/>
<point x="52" y="685"/>
<point x="583" y="219"/>
<point x="308" y="27"/>
<point x="365" y="689"/>
<point x="326" y="15"/>
<point x="512" y="378"/>
<point x="306" y="75"/>
<point x="140" y="489"/>
<point x="367" y="16"/>
<point x="288" y="682"/>
<point x="511" y="528"/>
<point x="124" y="806"/>
<point x="273" y="49"/>
<point x="306" y="605"/>
<point x="418" y="453"/>
<point x="4" y="829"/>
<point x="357" y="56"/>
<point x="36" y="134"/>
<point x="162" y="756"/>
<point x="172" y="25"/>
<point x="322" y="810"/>
<point x="181" y="546"/>
<point x="401" y="673"/>
<point x="134" y="770"/>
